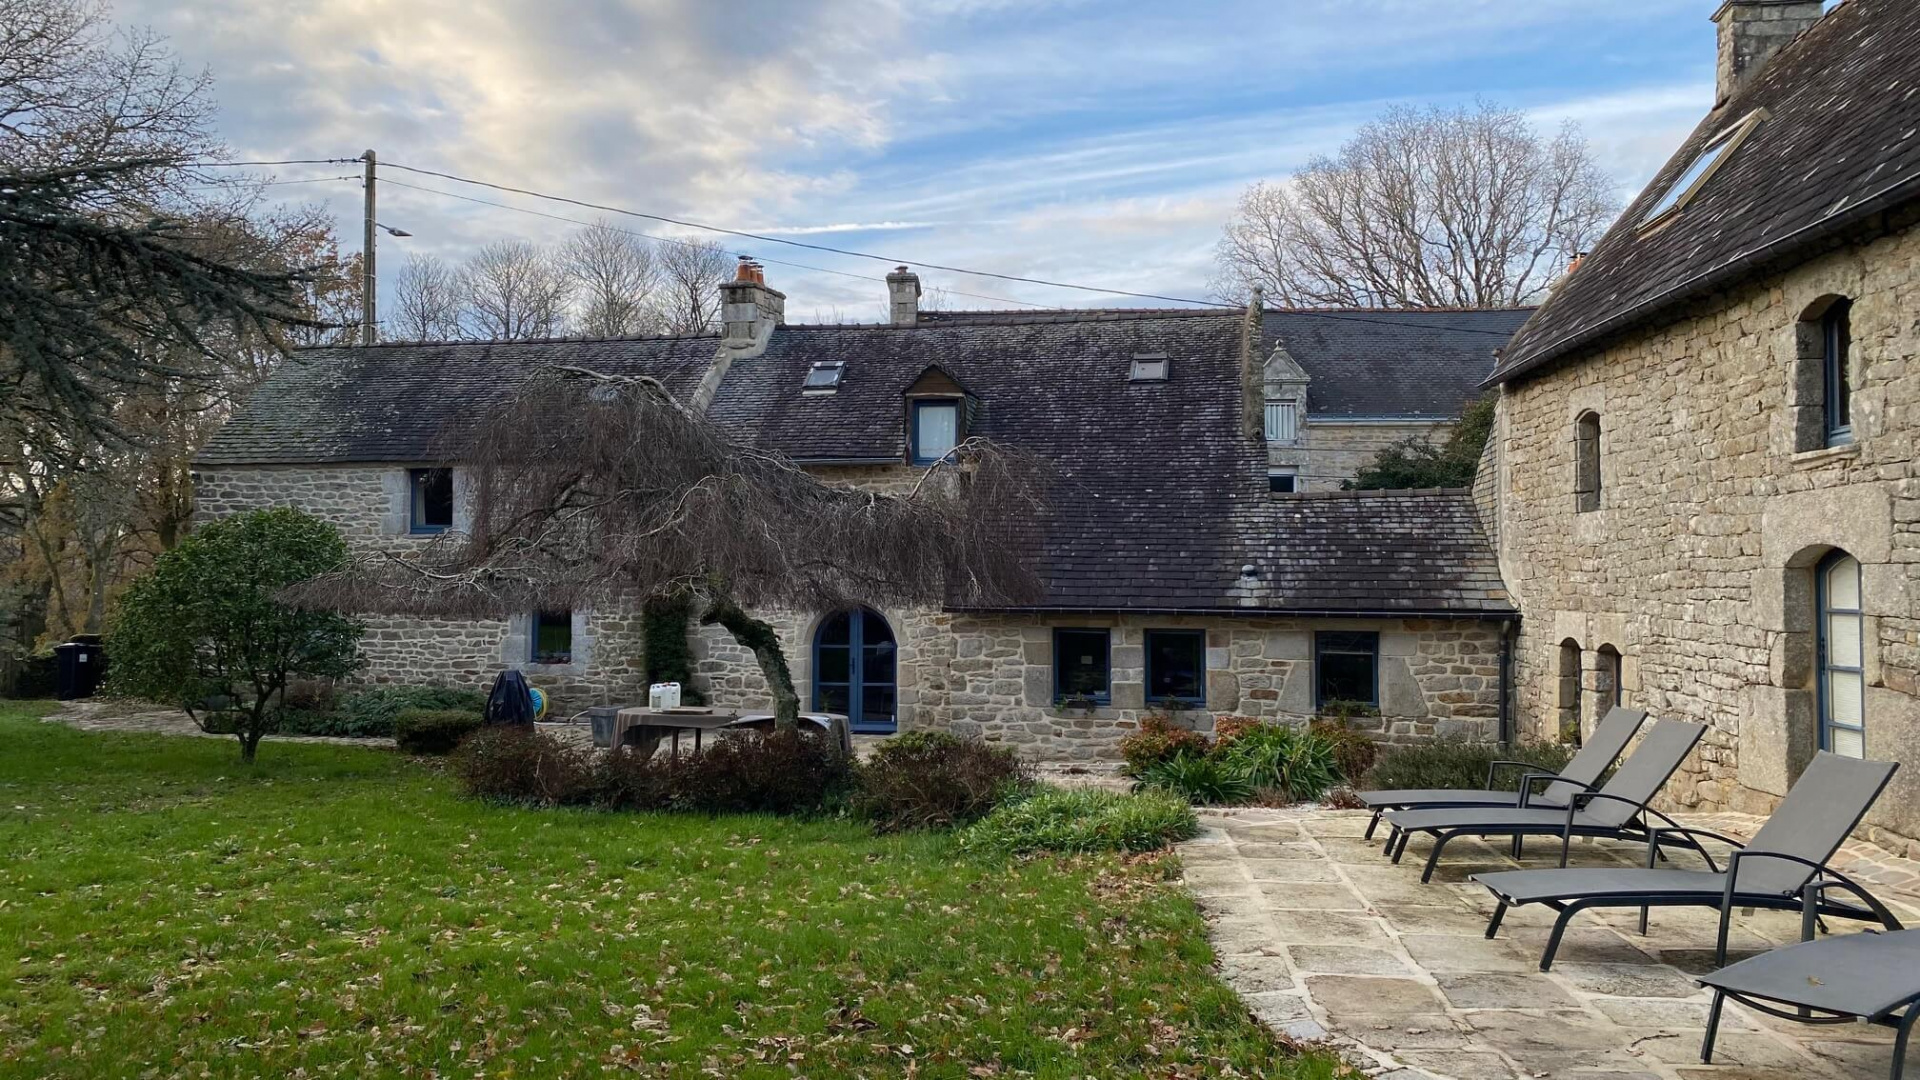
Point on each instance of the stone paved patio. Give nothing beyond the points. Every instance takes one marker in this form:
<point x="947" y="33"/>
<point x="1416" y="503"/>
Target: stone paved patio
<point x="1326" y="939"/>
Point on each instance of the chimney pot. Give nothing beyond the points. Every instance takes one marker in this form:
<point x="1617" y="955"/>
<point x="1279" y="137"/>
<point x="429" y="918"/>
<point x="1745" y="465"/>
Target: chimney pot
<point x="1751" y="32"/>
<point x="903" y="297"/>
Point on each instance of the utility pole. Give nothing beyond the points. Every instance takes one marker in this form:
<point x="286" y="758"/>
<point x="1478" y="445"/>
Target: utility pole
<point x="369" y="332"/>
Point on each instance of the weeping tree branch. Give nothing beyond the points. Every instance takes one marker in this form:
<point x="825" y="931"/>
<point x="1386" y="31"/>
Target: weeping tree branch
<point x="585" y="488"/>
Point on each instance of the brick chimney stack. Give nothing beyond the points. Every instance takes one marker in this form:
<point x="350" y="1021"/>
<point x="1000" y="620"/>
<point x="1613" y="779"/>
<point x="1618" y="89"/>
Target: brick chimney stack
<point x="1751" y="31"/>
<point x="903" y="296"/>
<point x="749" y="310"/>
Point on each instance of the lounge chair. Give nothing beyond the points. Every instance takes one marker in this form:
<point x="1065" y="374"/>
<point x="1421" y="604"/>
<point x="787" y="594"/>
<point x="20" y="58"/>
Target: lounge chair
<point x="1871" y="977"/>
<point x="1784" y="866"/>
<point x="1614" y="811"/>
<point x="1581" y="773"/>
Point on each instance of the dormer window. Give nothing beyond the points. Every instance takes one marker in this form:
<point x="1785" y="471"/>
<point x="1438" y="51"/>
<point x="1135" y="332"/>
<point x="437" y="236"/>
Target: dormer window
<point x="935" y="429"/>
<point x="1704" y="165"/>
<point x="1149" y="367"/>
<point x="824" y="377"/>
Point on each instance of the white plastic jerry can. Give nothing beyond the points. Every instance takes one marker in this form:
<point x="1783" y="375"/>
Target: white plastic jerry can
<point x="663" y="695"/>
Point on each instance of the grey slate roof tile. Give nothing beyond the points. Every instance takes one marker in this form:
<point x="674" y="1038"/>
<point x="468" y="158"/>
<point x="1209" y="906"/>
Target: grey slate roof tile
<point x="1416" y="364"/>
<point x="1840" y="145"/>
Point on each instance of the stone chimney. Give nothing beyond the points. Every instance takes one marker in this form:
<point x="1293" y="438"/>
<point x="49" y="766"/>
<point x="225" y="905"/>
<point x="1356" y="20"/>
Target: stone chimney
<point x="903" y="296"/>
<point x="1751" y="31"/>
<point x="749" y="310"/>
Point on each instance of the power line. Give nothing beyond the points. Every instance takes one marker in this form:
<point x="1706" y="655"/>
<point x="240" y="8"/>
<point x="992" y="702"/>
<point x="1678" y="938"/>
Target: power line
<point x="764" y="238"/>
<point x="672" y="241"/>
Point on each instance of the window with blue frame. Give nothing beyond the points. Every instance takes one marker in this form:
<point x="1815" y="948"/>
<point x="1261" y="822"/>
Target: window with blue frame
<point x="1346" y="666"/>
<point x="855" y="670"/>
<point x="1177" y="666"/>
<point x="1081" y="667"/>
<point x="430" y="499"/>
<point x="1836" y="340"/>
<point x="935" y="429"/>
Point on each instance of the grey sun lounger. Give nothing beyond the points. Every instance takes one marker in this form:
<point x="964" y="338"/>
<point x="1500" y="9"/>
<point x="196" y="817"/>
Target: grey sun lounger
<point x="1870" y="976"/>
<point x="1581" y="773"/>
<point x="1784" y="867"/>
<point x="1615" y="810"/>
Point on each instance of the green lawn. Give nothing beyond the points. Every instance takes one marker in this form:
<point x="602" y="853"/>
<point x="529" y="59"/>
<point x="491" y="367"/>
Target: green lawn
<point x="168" y="912"/>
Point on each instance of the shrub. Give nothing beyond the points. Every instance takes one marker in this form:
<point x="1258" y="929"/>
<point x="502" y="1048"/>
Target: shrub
<point x="1456" y="763"/>
<point x="924" y="780"/>
<point x="1354" y="752"/>
<point x="1159" y="739"/>
<point x="1228" y="728"/>
<point x="630" y="781"/>
<point x="521" y="765"/>
<point x="1205" y="780"/>
<point x="434" y="731"/>
<point x="372" y="711"/>
<point x="1290" y="764"/>
<point x="1080" y="820"/>
<point x="762" y="772"/>
<point x="208" y="623"/>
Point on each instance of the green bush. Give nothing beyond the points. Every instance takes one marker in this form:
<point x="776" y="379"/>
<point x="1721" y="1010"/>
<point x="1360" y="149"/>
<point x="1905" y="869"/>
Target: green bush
<point x="931" y="779"/>
<point x="372" y="711"/>
<point x="1081" y="820"/>
<point x="1456" y="763"/>
<point x="517" y="764"/>
<point x="762" y="772"/>
<point x="434" y="731"/>
<point x="1196" y="778"/>
<point x="1280" y="763"/>
<point x="1354" y="752"/>
<point x="1159" y="739"/>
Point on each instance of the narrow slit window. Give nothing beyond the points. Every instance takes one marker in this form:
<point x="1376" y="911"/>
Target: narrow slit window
<point x="936" y="430"/>
<point x="1836" y="338"/>
<point x="1843" y="724"/>
<point x="1586" y="463"/>
<point x="431" y="500"/>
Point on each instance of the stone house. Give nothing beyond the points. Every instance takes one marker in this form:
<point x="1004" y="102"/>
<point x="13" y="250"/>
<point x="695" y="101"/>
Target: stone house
<point x="1176" y="568"/>
<point x="1702" y="485"/>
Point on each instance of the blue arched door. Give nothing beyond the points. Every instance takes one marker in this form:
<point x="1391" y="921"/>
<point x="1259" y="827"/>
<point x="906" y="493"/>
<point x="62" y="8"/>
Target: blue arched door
<point x="854" y="669"/>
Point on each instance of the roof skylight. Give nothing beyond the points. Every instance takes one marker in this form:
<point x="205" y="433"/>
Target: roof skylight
<point x="824" y="376"/>
<point x="1149" y="367"/>
<point x="1700" y="170"/>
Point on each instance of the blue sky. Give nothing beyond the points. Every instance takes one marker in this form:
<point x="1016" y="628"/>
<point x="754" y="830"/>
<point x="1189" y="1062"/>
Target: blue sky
<point x="1102" y="141"/>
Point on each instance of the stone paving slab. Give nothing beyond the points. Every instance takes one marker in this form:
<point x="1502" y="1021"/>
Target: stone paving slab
<point x="1325" y="938"/>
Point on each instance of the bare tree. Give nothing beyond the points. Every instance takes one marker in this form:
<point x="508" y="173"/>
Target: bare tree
<point x="691" y="272"/>
<point x="613" y="275"/>
<point x="1441" y="208"/>
<point x="427" y="300"/>
<point x="513" y="292"/>
<point x="588" y="488"/>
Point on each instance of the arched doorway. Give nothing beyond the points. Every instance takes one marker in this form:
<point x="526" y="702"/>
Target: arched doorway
<point x="854" y="669"/>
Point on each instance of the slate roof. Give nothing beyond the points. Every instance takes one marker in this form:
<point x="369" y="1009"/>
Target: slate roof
<point x="1398" y="364"/>
<point x="1160" y="501"/>
<point x="1839" y="147"/>
<point x="401" y="402"/>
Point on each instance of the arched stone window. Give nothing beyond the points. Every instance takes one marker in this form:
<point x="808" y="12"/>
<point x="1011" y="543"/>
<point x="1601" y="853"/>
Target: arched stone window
<point x="855" y="669"/>
<point x="1586" y="462"/>
<point x="1606" y="676"/>
<point x="1842" y="679"/>
<point x="1823" y="376"/>
<point x="1569" y="703"/>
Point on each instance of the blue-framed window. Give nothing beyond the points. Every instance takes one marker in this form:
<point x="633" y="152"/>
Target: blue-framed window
<point x="855" y="670"/>
<point x="429" y="500"/>
<point x="935" y="429"/>
<point x="1346" y="666"/>
<point x="1082" y="668"/>
<point x="1177" y="666"/>
<point x="1836" y="337"/>
<point x="552" y="637"/>
<point x="1843" y="722"/>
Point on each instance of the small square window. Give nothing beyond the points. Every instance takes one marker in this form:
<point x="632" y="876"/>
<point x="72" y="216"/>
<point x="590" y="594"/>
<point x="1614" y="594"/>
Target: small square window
<point x="936" y="430"/>
<point x="1346" y="667"/>
<point x="553" y="637"/>
<point x="1281" y="481"/>
<point x="1149" y="367"/>
<point x="1177" y="666"/>
<point x="430" y="500"/>
<point x="1080" y="666"/>
<point x="825" y="375"/>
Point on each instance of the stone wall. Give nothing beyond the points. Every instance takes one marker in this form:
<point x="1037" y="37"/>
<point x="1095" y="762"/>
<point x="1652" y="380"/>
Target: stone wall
<point x="1697" y="567"/>
<point x="1336" y="450"/>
